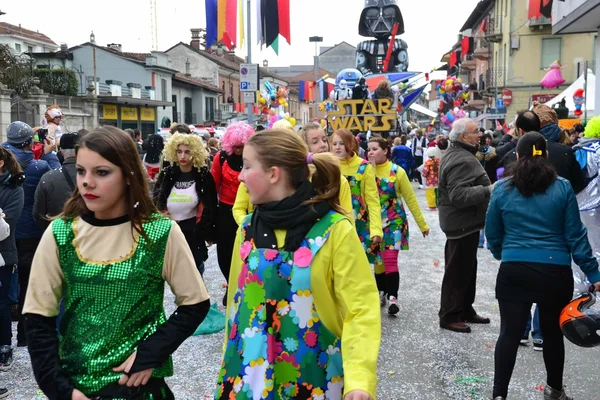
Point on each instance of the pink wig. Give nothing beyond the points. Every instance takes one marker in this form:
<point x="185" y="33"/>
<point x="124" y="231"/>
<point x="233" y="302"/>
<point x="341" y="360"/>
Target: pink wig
<point x="237" y="134"/>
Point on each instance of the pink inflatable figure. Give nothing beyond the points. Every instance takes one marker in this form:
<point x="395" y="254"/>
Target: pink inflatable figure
<point x="553" y="77"/>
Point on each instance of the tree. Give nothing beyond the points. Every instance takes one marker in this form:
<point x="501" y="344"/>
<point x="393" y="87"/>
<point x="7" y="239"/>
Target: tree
<point x="59" y="81"/>
<point x="16" y="71"/>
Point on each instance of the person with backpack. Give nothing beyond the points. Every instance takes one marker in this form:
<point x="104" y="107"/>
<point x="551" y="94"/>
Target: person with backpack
<point x="225" y="171"/>
<point x="28" y="234"/>
<point x="402" y="155"/>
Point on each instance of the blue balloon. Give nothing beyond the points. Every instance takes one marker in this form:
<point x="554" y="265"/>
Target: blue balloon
<point x="450" y="116"/>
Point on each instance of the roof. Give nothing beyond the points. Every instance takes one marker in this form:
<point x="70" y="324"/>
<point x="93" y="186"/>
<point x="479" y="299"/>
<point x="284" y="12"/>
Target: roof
<point x="478" y="12"/>
<point x="8" y="29"/>
<point x="232" y="64"/>
<point x="328" y="48"/>
<point x="196" y="82"/>
<point x="309" y="76"/>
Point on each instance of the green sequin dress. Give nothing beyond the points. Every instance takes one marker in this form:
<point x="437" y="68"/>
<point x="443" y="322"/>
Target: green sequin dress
<point x="110" y="307"/>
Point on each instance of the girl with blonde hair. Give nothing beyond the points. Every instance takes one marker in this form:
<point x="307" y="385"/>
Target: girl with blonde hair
<point x="296" y="327"/>
<point x="185" y="190"/>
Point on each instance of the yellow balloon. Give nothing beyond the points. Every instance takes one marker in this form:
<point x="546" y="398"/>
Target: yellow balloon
<point x="459" y="80"/>
<point x="292" y="121"/>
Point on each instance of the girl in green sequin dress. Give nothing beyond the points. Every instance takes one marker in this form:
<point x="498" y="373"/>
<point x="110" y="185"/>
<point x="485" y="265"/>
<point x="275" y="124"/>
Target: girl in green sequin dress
<point x="107" y="258"/>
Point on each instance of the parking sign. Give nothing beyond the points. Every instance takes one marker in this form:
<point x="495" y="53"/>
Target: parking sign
<point x="248" y="77"/>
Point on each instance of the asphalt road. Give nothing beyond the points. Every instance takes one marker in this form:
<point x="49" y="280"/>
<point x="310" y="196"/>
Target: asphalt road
<point x="417" y="360"/>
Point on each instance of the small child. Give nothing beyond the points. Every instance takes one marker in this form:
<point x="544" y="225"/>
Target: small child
<point x="431" y="171"/>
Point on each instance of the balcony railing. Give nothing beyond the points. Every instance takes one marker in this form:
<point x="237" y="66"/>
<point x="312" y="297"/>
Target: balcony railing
<point x="190" y="118"/>
<point x="495" y="78"/>
<point x="540" y="22"/>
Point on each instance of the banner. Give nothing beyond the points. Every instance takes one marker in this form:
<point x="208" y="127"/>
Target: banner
<point x="362" y="115"/>
<point x="129" y="114"/>
<point x="110" y="111"/>
<point x="147" y="114"/>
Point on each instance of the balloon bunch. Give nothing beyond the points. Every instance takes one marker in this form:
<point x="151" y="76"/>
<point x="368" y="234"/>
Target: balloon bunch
<point x="273" y="99"/>
<point x="579" y="99"/>
<point x="274" y="118"/>
<point x="327" y="105"/>
<point x="452" y="93"/>
<point x="452" y="115"/>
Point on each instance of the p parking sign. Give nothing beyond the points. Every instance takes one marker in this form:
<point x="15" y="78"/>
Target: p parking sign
<point x="248" y="77"/>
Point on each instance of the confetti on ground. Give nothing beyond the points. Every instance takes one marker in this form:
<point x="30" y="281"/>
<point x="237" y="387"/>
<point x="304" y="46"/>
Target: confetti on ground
<point x="469" y="380"/>
<point x="540" y="388"/>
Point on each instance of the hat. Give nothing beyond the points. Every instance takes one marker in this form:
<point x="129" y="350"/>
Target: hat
<point x="546" y="115"/>
<point x="68" y="141"/>
<point x="19" y="133"/>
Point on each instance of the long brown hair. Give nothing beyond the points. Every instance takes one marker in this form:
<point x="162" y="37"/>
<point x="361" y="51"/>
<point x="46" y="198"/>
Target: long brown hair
<point x="350" y="143"/>
<point x="10" y="162"/>
<point x="117" y="147"/>
<point x="277" y="148"/>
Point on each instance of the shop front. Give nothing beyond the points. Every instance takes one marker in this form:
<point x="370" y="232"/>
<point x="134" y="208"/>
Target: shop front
<point x="125" y="114"/>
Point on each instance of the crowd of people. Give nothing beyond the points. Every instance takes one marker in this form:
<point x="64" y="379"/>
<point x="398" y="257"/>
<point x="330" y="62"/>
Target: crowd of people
<point x="301" y="223"/>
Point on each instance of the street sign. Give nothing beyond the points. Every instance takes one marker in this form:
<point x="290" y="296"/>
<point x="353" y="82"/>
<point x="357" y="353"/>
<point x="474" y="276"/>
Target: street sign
<point x="249" y="97"/>
<point x="248" y="77"/>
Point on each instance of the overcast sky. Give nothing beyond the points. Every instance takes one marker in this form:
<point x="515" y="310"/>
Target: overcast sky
<point x="431" y="25"/>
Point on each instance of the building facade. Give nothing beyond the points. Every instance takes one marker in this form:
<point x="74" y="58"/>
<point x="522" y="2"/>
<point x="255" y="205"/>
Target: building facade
<point x="23" y="40"/>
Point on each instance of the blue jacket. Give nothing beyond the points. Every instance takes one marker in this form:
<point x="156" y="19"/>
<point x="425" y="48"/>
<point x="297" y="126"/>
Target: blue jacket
<point x="402" y="156"/>
<point x="33" y="169"/>
<point x="544" y="228"/>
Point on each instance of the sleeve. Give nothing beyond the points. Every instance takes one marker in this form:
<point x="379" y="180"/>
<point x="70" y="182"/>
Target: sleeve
<point x="405" y="191"/>
<point x="180" y="272"/>
<point x="156" y="191"/>
<point x="234" y="274"/>
<point x="14" y="207"/>
<point x="361" y="331"/>
<point x="504" y="149"/>
<point x="460" y="191"/>
<point x="207" y="225"/>
<point x="577" y="239"/>
<point x="576" y="173"/>
<point x="44" y="291"/>
<point x="426" y="168"/>
<point x="215" y="171"/>
<point x="241" y="206"/>
<point x="4" y="229"/>
<point x="371" y="197"/>
<point x="52" y="160"/>
<point x="346" y="199"/>
<point x="494" y="226"/>
<point x="39" y="205"/>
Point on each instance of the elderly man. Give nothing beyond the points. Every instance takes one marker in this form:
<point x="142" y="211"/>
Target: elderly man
<point x="464" y="193"/>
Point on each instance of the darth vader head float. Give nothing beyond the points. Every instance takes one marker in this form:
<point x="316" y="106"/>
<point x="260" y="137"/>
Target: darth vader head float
<point x="378" y="18"/>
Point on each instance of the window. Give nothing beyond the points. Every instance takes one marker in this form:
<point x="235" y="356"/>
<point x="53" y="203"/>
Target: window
<point x="29" y="49"/>
<point x="163" y="89"/>
<point x="551" y="51"/>
<point x="209" y="111"/>
<point x="18" y="47"/>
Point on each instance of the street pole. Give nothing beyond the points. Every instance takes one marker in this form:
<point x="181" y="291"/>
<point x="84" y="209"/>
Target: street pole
<point x="315" y="40"/>
<point x="249" y="60"/>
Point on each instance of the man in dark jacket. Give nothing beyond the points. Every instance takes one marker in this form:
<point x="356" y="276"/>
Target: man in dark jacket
<point x="56" y="185"/>
<point x="464" y="194"/>
<point x="19" y="141"/>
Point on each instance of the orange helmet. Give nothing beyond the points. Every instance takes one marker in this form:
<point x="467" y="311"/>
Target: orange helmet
<point x="579" y="324"/>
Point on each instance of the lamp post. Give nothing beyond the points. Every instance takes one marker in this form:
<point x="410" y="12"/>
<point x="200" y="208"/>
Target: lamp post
<point x="315" y="40"/>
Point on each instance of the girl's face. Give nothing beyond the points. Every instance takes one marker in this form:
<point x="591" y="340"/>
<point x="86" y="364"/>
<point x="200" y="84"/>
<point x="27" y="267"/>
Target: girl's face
<point x="257" y="180"/>
<point x="184" y="155"/>
<point x="376" y="153"/>
<point x="338" y="148"/>
<point x="317" y="141"/>
<point x="101" y="184"/>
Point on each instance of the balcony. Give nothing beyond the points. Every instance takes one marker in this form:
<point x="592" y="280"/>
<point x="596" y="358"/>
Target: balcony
<point x="540" y="23"/>
<point x="190" y="118"/>
<point x="469" y="63"/>
<point x="493" y="33"/>
<point x="495" y="78"/>
<point x="482" y="51"/>
<point x="476" y="102"/>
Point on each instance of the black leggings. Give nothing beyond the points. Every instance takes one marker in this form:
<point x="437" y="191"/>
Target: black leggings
<point x="513" y="319"/>
<point x="226" y="239"/>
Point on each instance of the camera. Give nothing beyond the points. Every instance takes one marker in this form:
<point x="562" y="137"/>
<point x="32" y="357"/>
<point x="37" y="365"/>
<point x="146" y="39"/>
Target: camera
<point x="42" y="133"/>
<point x="483" y="146"/>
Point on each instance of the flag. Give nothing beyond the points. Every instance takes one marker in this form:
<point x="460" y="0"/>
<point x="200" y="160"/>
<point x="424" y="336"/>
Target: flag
<point x="271" y="21"/>
<point x="534" y="9"/>
<point x="221" y="18"/>
<point x="275" y="45"/>
<point x="259" y="29"/>
<point x="211" y="22"/>
<point x="546" y="8"/>
<point x="241" y="23"/>
<point x="465" y="45"/>
<point x="301" y="90"/>
<point x="452" y="59"/>
<point x="311" y="91"/>
<point x="284" y="19"/>
<point x="231" y="14"/>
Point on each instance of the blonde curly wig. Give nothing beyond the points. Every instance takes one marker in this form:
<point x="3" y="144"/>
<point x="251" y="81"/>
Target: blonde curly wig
<point x="198" y="152"/>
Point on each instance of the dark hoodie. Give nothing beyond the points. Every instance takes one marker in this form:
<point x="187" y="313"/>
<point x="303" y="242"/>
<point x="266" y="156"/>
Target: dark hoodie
<point x="11" y="202"/>
<point x="563" y="158"/>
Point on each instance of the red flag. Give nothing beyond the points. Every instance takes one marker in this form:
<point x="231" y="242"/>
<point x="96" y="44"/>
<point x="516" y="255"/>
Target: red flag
<point x="372" y="83"/>
<point x="465" y="45"/>
<point x="283" y="8"/>
<point x="452" y="59"/>
<point x="230" y="35"/>
<point x="534" y="9"/>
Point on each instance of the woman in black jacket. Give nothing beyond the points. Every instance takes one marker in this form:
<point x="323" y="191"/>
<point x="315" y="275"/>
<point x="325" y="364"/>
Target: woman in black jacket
<point x="185" y="189"/>
<point x="11" y="203"/>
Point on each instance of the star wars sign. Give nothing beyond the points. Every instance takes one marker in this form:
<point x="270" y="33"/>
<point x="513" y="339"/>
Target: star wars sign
<point x="362" y="115"/>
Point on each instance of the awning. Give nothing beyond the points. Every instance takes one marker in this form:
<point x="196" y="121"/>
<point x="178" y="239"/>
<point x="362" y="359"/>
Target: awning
<point x="481" y="117"/>
<point x="420" y="109"/>
<point x="134" y="102"/>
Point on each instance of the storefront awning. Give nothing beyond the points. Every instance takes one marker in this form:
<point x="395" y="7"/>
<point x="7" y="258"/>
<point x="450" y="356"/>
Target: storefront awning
<point x="134" y="102"/>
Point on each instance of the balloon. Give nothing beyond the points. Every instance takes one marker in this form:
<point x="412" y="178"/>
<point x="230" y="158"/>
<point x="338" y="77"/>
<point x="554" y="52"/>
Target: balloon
<point x="450" y="116"/>
<point x="292" y="121"/>
<point x="459" y="80"/>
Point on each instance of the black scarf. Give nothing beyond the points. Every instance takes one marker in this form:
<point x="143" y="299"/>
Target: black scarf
<point x="234" y="161"/>
<point x="289" y="213"/>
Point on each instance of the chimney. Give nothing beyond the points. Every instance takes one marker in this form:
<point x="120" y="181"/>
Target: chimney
<point x="187" y="68"/>
<point x="64" y="48"/>
<point x="115" y="46"/>
<point x="115" y="87"/>
<point x="151" y="92"/>
<point x="195" y="43"/>
<point x="136" y="90"/>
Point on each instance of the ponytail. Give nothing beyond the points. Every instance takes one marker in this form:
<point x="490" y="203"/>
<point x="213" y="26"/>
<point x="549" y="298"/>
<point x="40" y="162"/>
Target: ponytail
<point x="532" y="173"/>
<point x="326" y="179"/>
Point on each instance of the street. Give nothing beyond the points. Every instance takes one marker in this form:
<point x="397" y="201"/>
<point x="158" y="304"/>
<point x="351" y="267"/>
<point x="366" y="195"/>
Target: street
<point x="417" y="359"/>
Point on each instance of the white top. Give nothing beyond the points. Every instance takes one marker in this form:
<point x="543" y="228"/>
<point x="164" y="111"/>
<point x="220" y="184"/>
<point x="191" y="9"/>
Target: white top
<point x="182" y="203"/>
